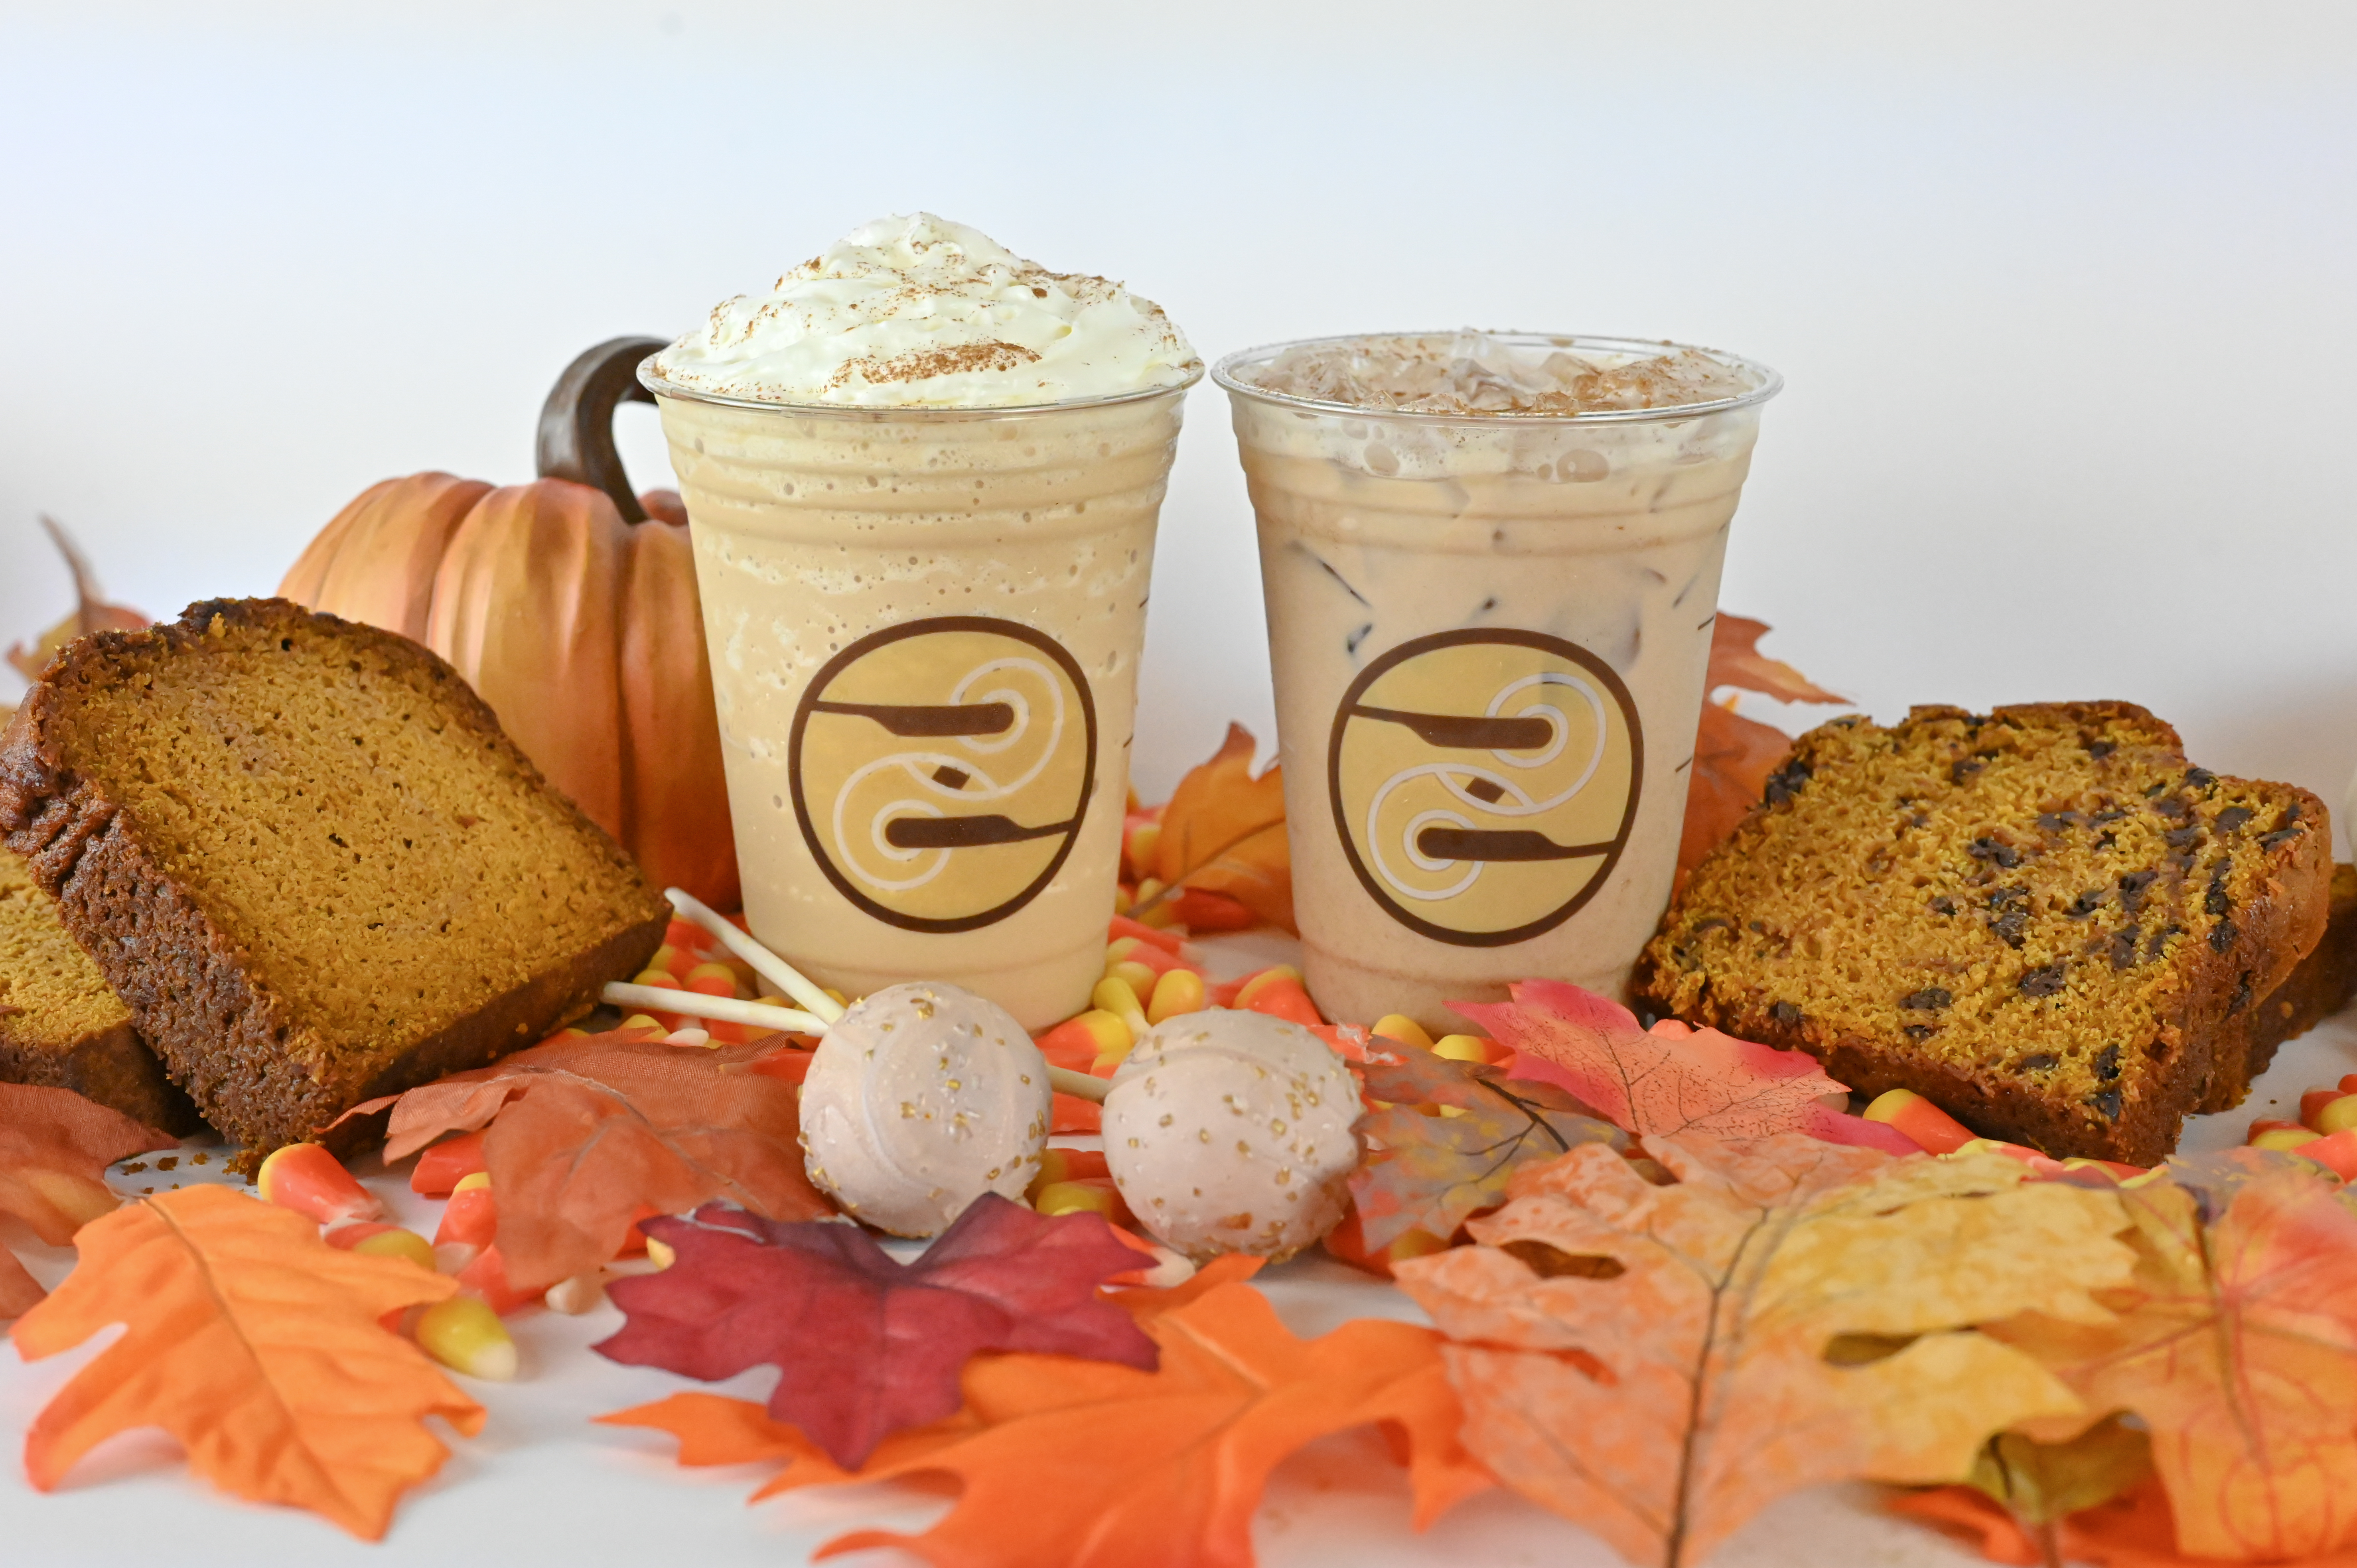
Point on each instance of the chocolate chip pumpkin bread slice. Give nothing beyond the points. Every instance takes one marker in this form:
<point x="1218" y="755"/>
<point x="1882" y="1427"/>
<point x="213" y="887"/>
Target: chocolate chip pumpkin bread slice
<point x="2043" y="919"/>
<point x="308" y="858"/>
<point x="2321" y="986"/>
<point x="62" y="1025"/>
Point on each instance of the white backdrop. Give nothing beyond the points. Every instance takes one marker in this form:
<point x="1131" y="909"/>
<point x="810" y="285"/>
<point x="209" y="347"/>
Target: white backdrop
<point x="2062" y="291"/>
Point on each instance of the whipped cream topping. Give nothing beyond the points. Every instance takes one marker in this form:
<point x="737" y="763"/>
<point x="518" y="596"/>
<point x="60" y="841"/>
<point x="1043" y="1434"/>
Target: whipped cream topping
<point x="917" y="311"/>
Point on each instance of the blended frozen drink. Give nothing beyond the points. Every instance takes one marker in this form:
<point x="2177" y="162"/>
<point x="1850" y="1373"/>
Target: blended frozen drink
<point x="1490" y="565"/>
<point x="922" y="474"/>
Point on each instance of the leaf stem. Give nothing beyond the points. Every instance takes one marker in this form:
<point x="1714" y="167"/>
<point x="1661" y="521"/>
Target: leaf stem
<point x="1524" y="1107"/>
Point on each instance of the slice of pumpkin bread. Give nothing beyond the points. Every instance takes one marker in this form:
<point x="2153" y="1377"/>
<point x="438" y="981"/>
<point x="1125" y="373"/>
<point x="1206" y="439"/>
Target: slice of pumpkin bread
<point x="62" y="1025"/>
<point x="306" y="855"/>
<point x="2318" y="988"/>
<point x="2043" y="919"/>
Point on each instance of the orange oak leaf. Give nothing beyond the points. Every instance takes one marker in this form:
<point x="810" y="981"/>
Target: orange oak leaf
<point x="1095" y="1466"/>
<point x="1669" y="1078"/>
<point x="1734" y="755"/>
<point x="2237" y="1345"/>
<point x="1224" y="832"/>
<point x="585" y="1130"/>
<point x="257" y="1345"/>
<point x="55" y="1147"/>
<point x="1661" y="1362"/>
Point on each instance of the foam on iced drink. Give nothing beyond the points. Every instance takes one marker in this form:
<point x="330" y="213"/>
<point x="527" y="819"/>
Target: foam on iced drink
<point x="1479" y="372"/>
<point x="1491" y="582"/>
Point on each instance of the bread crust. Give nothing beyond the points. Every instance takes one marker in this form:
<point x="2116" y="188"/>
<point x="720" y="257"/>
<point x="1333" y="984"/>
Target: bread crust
<point x="110" y="1066"/>
<point x="2198" y="1058"/>
<point x="2319" y="987"/>
<point x="105" y="1062"/>
<point x="232" y="1044"/>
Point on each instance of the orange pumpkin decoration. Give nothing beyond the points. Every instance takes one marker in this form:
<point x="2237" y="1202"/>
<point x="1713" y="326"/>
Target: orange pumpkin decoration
<point x="569" y="610"/>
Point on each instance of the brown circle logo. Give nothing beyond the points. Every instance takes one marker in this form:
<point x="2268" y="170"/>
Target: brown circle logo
<point x="941" y="770"/>
<point x="1484" y="782"/>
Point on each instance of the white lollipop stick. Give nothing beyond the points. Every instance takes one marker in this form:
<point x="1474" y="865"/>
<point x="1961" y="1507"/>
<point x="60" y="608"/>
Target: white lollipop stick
<point x="728" y="1009"/>
<point x="767" y="964"/>
<point x="1079" y="1085"/>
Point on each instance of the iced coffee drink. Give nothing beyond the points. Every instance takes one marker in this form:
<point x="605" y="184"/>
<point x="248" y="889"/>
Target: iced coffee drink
<point x="922" y="474"/>
<point x="1490" y="565"/>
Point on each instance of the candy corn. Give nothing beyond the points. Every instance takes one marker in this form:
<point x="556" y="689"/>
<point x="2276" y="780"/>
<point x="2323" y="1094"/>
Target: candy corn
<point x="1278" y="992"/>
<point x="487" y="1276"/>
<point x="307" y="1179"/>
<point x="1116" y="995"/>
<point x="1066" y="1164"/>
<point x="1462" y="1047"/>
<point x="383" y="1242"/>
<point x="441" y="1167"/>
<point x="1179" y="991"/>
<point x="1401" y="1027"/>
<point x="1093" y="1194"/>
<point x="472" y="1219"/>
<point x="1929" y="1128"/>
<point x="1079" y="1043"/>
<point x="465" y="1335"/>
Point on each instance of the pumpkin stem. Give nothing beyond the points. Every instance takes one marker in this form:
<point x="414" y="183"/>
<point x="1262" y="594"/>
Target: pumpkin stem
<point x="576" y="423"/>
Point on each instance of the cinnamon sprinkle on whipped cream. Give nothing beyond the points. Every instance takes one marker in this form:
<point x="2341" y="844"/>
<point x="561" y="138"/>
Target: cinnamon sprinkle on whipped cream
<point x="917" y="311"/>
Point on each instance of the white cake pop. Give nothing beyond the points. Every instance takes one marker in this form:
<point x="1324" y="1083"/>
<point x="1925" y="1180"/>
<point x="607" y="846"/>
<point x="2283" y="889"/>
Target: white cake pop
<point x="1229" y="1132"/>
<point x="920" y="1098"/>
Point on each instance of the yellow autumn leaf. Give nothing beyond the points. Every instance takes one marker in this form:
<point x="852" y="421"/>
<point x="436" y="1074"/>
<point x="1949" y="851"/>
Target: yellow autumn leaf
<point x="1661" y="1362"/>
<point x="2237" y="1345"/>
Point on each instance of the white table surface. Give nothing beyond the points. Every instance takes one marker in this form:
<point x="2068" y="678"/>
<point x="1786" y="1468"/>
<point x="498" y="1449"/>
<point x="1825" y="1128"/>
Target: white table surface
<point x="542" y="1485"/>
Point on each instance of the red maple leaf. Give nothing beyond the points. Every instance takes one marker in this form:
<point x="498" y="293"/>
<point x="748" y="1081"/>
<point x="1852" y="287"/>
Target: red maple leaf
<point x="1669" y="1078"/>
<point x="868" y="1346"/>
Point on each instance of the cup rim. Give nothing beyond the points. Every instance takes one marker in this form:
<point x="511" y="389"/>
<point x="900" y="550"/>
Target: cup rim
<point x="1223" y="372"/>
<point x="662" y="386"/>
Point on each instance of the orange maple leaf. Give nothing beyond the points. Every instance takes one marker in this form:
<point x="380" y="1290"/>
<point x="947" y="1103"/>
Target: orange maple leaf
<point x="1160" y="1469"/>
<point x="1736" y="660"/>
<point x="588" y="1133"/>
<point x="257" y="1345"/>
<point x="2132" y="1530"/>
<point x="55" y="1147"/>
<point x="1733" y="754"/>
<point x="1670" y="1079"/>
<point x="2236" y="1344"/>
<point x="1661" y="1362"/>
<point x="1224" y="832"/>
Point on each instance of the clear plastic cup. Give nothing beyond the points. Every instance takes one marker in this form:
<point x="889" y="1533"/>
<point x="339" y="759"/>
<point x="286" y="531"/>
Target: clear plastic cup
<point x="925" y="627"/>
<point x="1488" y="633"/>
